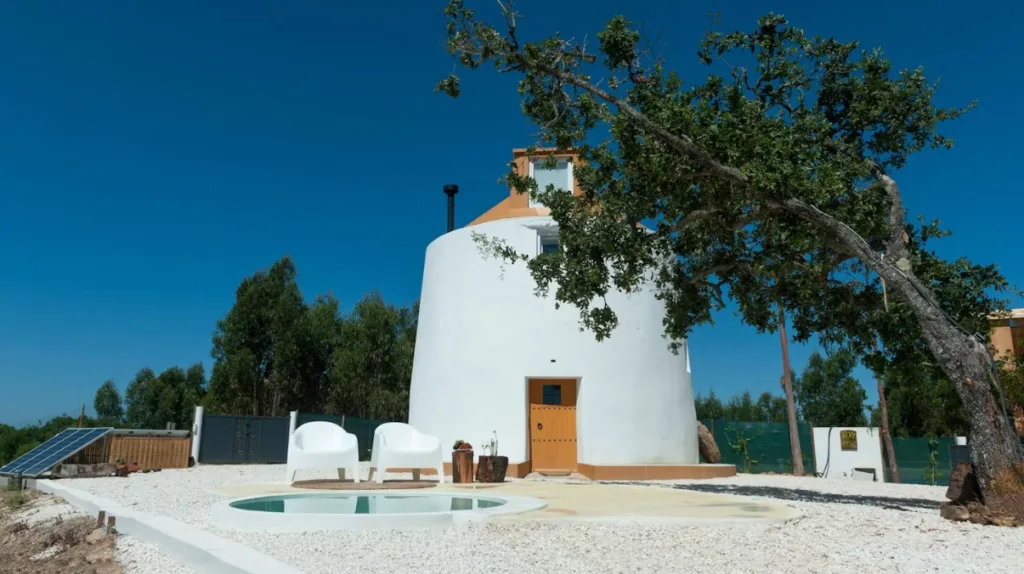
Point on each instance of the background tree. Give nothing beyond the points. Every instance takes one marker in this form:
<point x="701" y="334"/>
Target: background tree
<point x="827" y="393"/>
<point x="372" y="367"/>
<point x="108" y="403"/>
<point x="922" y="405"/>
<point x="769" y="183"/>
<point x="767" y="408"/>
<point x="709" y="408"/>
<point x="153" y="401"/>
<point x="772" y="408"/>
<point x="251" y="338"/>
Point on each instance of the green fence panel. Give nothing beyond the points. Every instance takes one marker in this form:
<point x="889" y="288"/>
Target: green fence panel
<point x="912" y="457"/>
<point x="363" y="429"/>
<point x="304" y="418"/>
<point x="768" y="445"/>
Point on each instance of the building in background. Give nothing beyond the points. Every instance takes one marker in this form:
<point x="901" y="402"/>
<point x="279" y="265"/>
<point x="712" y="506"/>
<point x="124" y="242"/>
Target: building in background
<point x="1007" y="335"/>
<point x="492" y="356"/>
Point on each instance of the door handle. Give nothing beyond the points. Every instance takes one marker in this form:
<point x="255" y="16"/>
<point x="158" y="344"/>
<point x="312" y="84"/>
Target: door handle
<point x="540" y="426"/>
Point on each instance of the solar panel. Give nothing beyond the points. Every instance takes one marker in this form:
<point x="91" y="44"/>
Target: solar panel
<point x="50" y="453"/>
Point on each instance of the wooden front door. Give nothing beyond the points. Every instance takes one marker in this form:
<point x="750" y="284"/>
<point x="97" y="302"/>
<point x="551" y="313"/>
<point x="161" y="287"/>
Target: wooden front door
<point x="553" y="425"/>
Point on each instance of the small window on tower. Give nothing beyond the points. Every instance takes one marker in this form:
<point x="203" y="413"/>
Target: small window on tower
<point x="559" y="176"/>
<point x="549" y="244"/>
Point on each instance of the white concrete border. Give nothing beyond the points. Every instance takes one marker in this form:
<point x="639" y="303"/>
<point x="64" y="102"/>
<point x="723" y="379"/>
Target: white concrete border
<point x="196" y="548"/>
<point x="256" y="521"/>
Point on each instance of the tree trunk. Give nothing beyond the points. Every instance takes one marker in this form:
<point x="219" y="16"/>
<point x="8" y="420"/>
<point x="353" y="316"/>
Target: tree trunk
<point x="995" y="449"/>
<point x="787" y="386"/>
<point x="886" y="435"/>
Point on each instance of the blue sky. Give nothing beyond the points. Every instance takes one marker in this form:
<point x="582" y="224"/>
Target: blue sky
<point x="153" y="154"/>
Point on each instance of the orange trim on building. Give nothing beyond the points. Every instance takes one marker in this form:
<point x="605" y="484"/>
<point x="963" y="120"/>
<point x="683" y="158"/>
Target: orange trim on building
<point x="518" y="204"/>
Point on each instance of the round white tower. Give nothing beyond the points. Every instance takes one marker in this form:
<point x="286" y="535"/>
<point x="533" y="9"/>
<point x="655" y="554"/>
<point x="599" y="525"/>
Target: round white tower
<point x="493" y="356"/>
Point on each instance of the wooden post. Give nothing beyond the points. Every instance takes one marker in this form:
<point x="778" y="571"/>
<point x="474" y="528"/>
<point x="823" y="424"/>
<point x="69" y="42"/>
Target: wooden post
<point x="101" y="518"/>
<point x="81" y="417"/>
<point x="111" y="522"/>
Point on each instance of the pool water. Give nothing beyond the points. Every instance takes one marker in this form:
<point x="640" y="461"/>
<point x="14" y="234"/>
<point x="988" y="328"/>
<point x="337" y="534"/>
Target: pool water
<point x="365" y="503"/>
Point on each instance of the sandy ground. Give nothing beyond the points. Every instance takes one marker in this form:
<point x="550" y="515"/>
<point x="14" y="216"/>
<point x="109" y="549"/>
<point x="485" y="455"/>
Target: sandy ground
<point x="43" y="534"/>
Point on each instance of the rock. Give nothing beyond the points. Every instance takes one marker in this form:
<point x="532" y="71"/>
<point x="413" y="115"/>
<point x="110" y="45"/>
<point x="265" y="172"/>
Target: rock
<point x="706" y="443"/>
<point x="107" y="568"/>
<point x="954" y="512"/>
<point x="104" y="554"/>
<point x="83" y="470"/>
<point x="963" y="487"/>
<point x="96" y="535"/>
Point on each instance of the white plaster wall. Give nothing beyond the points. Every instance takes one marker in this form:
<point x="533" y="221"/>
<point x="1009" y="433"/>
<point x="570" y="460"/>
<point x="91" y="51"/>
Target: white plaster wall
<point x="840" y="463"/>
<point x="483" y="332"/>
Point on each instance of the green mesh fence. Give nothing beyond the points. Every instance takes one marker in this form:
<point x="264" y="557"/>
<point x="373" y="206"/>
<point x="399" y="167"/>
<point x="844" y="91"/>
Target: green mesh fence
<point x="362" y="428"/>
<point x="767" y="445"/>
<point x="912" y="457"/>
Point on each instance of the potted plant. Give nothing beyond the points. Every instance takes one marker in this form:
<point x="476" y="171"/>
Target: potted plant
<point x="462" y="462"/>
<point x="490" y="467"/>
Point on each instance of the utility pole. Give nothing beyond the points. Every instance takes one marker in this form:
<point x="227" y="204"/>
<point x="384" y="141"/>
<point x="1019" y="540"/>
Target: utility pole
<point x="81" y="417"/>
<point x="787" y="386"/>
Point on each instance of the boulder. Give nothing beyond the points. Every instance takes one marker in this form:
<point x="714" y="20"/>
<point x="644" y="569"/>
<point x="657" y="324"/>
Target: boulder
<point x="963" y="486"/>
<point x="706" y="443"/>
<point x="954" y="512"/>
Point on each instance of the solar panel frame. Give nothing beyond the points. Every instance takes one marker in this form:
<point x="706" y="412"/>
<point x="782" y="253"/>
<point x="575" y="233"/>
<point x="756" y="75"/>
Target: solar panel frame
<point x="47" y="455"/>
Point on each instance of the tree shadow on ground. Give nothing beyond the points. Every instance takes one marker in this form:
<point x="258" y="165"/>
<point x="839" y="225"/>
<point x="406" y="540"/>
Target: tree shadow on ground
<point x="803" y="495"/>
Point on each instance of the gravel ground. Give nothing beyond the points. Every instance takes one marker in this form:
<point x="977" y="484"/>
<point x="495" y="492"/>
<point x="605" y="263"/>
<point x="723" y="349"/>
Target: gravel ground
<point x="138" y="557"/>
<point x="846" y="526"/>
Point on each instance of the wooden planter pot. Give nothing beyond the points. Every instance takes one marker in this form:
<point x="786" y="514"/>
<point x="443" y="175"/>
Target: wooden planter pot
<point x="462" y="466"/>
<point x="491" y="468"/>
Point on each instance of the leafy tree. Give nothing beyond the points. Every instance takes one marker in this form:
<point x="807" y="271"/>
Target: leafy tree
<point x="772" y="409"/>
<point x="742" y="408"/>
<point x="771" y="183"/>
<point x="153" y="401"/>
<point x="108" y="404"/>
<point x="767" y="408"/>
<point x="709" y="407"/>
<point x="372" y="367"/>
<point x="1012" y="377"/>
<point x="251" y="340"/>
<point x="922" y="406"/>
<point x="827" y="393"/>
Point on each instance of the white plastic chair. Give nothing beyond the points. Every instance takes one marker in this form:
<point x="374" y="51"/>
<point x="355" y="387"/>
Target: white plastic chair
<point x="321" y="444"/>
<point x="398" y="445"/>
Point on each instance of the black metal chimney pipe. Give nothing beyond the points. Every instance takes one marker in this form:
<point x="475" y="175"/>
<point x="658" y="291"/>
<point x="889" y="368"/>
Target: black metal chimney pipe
<point x="450" y="190"/>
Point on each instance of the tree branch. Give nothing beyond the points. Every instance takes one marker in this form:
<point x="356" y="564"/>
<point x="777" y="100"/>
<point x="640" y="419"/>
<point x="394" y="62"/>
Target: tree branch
<point x="896" y="246"/>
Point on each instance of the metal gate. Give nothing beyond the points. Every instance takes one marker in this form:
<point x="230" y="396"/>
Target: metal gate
<point x="228" y="439"/>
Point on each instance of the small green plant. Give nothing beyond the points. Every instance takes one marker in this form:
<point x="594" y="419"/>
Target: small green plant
<point x="17" y="500"/>
<point x="739" y="443"/>
<point x="931" y="473"/>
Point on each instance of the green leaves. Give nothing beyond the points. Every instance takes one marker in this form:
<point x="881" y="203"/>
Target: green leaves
<point x="274" y="353"/>
<point x="827" y="393"/>
<point x="765" y="183"/>
<point x="153" y="401"/>
<point x="108" y="404"/>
